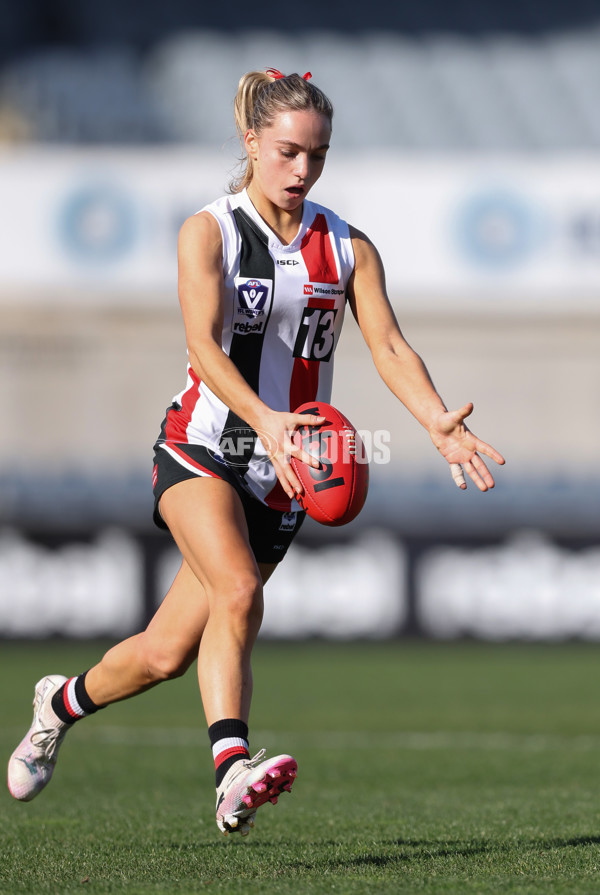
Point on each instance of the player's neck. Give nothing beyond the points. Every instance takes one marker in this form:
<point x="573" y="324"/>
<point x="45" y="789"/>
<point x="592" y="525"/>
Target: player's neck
<point x="284" y="224"/>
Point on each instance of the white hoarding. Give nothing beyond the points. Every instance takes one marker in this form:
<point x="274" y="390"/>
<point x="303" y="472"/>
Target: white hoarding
<point x="487" y="231"/>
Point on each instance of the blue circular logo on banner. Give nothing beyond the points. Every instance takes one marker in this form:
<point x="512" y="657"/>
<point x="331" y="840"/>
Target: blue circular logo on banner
<point x="97" y="224"/>
<point x="498" y="229"/>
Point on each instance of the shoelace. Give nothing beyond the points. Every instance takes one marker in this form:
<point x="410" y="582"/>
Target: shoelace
<point x="252" y="762"/>
<point x="47" y="741"/>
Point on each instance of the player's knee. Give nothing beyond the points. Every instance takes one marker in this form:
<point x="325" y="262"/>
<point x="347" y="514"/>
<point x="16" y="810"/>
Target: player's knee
<point x="243" y="598"/>
<point x="164" y="664"/>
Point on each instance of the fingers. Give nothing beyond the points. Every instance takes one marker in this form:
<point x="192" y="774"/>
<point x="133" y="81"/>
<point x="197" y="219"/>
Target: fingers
<point x="300" y="454"/>
<point x="296" y="450"/>
<point x="483" y="472"/>
<point x="306" y="419"/>
<point x="458" y="442"/>
<point x="476" y="470"/>
<point x="286" y="448"/>
<point x="490" y="452"/>
<point x="457" y="474"/>
<point x="287" y="477"/>
<point x="464" y="412"/>
<point x="285" y="471"/>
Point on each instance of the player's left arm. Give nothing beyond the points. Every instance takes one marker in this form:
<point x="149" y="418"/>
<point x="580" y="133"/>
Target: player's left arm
<point x="406" y="375"/>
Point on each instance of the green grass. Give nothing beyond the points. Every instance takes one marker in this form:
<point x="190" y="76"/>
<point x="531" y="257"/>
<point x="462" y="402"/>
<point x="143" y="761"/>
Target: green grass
<point x="422" y="768"/>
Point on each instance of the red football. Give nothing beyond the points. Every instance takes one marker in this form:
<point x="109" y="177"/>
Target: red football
<point x="335" y="493"/>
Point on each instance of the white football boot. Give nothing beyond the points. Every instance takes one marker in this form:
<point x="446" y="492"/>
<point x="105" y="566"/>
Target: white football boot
<point x="32" y="763"/>
<point x="247" y="785"/>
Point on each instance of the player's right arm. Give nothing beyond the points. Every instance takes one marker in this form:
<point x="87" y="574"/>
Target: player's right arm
<point x="201" y="296"/>
<point x="201" y="291"/>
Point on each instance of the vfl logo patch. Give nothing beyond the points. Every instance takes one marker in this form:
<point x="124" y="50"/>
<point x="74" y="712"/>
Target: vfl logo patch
<point x="252" y="296"/>
<point x="252" y="304"/>
<point x="288" y="522"/>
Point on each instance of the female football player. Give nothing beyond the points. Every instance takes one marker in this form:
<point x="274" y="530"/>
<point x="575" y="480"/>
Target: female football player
<point x="264" y="277"/>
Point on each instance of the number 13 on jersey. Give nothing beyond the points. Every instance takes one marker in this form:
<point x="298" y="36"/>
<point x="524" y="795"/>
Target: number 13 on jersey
<point x="316" y="334"/>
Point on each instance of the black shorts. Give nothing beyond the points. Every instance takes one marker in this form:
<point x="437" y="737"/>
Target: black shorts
<point x="271" y="531"/>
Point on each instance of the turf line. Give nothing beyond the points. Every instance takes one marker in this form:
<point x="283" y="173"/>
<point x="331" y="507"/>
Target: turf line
<point x="323" y="739"/>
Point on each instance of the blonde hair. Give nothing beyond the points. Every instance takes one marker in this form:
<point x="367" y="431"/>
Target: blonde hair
<point x="261" y="95"/>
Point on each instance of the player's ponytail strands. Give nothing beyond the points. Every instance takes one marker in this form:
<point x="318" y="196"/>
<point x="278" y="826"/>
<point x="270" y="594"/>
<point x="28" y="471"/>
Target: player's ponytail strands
<point x="262" y="95"/>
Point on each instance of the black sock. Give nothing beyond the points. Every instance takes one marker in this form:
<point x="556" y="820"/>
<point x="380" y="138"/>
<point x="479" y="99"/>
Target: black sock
<point x="71" y="702"/>
<point x="229" y="741"/>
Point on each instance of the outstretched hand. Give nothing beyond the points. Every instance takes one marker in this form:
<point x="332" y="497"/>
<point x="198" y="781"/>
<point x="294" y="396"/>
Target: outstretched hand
<point x="461" y="448"/>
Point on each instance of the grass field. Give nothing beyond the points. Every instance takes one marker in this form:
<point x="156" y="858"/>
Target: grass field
<point x="422" y="768"/>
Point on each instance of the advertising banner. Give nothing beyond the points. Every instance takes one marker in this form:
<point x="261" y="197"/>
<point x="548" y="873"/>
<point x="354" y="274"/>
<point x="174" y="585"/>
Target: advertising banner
<point x="483" y="232"/>
<point x="371" y="585"/>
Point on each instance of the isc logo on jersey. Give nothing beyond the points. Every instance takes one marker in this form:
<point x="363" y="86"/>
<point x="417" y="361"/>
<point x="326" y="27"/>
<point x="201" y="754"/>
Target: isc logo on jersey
<point x="252" y="305"/>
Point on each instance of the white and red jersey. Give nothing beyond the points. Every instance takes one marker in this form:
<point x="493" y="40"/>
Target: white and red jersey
<point x="283" y="313"/>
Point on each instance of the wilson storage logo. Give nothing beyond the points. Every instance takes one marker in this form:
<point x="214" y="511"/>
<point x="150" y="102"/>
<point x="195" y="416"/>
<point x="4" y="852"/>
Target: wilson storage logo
<point x="325" y="291"/>
<point x="252" y="304"/>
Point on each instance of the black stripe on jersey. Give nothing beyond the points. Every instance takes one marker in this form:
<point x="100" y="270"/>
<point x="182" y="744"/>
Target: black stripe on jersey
<point x="246" y="349"/>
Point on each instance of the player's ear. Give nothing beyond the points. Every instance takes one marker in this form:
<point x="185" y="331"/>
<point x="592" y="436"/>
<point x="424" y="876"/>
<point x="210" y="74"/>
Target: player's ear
<point x="251" y="144"/>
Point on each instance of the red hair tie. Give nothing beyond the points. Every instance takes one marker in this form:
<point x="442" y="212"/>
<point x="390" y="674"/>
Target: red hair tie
<point x="276" y="74"/>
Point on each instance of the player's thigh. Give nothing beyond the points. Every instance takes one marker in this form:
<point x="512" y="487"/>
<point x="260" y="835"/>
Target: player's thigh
<point x="206" y="518"/>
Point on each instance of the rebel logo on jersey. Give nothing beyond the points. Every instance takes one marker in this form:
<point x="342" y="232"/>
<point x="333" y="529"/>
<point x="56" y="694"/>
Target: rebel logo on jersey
<point x="288" y="521"/>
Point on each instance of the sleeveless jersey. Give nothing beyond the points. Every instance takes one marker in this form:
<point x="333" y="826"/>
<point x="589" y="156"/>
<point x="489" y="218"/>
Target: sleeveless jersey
<point x="283" y="312"/>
